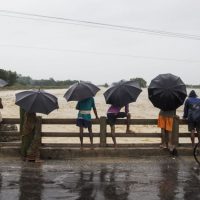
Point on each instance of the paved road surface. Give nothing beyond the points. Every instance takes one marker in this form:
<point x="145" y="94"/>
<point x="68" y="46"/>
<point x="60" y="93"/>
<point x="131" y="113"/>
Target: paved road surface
<point x="151" y="178"/>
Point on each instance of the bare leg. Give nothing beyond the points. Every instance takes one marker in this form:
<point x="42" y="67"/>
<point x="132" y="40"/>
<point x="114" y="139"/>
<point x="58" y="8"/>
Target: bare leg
<point x="81" y="136"/>
<point x="128" y="124"/>
<point x="164" y="139"/>
<point x="198" y="135"/>
<point x="91" y="136"/>
<point x="172" y="147"/>
<point x="167" y="139"/>
<point x="170" y="141"/>
<point x="113" y="135"/>
<point x="193" y="137"/>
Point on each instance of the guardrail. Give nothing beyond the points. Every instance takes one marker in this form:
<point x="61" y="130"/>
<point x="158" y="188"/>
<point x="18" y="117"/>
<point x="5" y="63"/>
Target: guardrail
<point x="102" y="134"/>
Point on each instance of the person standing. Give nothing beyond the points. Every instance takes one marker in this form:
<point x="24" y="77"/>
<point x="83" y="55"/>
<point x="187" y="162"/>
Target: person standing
<point x="84" y="117"/>
<point x="193" y="126"/>
<point x="112" y="114"/>
<point x="165" y="122"/>
<point x="30" y="138"/>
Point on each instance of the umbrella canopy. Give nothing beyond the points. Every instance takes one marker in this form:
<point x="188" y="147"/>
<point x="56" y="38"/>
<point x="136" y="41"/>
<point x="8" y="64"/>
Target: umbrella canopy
<point x="3" y="83"/>
<point x="167" y="92"/>
<point x="81" y="90"/>
<point x="37" y="101"/>
<point x="122" y="93"/>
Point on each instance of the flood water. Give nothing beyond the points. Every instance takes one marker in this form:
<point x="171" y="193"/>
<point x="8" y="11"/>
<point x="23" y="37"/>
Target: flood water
<point x="113" y="179"/>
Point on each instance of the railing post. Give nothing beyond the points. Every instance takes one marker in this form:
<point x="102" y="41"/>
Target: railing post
<point x="103" y="131"/>
<point x="175" y="131"/>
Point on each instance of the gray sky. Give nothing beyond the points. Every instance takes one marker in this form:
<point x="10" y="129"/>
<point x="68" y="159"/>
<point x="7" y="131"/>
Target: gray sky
<point x="44" y="49"/>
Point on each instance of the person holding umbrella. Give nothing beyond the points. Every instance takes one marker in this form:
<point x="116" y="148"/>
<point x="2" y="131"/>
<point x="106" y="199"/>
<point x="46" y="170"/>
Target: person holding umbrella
<point x="165" y="122"/>
<point x="112" y="114"/>
<point x="119" y="95"/>
<point x="83" y="92"/>
<point x="30" y="138"/>
<point x="84" y="117"/>
<point x="32" y="102"/>
<point x="167" y="92"/>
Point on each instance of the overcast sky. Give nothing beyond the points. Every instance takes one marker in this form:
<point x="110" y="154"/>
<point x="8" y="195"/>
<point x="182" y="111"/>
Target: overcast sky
<point x="44" y="49"/>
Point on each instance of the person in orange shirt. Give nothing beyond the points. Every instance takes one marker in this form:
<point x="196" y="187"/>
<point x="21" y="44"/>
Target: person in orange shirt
<point x="165" y="122"/>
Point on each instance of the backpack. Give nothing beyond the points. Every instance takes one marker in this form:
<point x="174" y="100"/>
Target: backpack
<point x="195" y="112"/>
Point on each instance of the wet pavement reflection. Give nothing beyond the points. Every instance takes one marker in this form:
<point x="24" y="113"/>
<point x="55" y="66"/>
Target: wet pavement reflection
<point x="169" y="182"/>
<point x="155" y="178"/>
<point x="31" y="183"/>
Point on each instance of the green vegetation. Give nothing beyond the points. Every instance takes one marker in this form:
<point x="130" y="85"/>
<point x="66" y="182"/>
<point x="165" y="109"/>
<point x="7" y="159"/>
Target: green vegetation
<point x="8" y="76"/>
<point x="105" y="85"/>
<point x="17" y="81"/>
<point x="44" y="83"/>
<point x="141" y="81"/>
<point x="193" y="86"/>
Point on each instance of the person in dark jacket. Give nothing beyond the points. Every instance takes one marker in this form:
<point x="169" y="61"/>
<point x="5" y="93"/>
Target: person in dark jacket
<point x="192" y="126"/>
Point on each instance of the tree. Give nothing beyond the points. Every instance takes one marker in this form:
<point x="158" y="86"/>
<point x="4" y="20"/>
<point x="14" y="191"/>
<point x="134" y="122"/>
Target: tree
<point x="24" y="80"/>
<point x="106" y="85"/>
<point x="141" y="81"/>
<point x="8" y="76"/>
<point x="12" y="77"/>
<point x="3" y="74"/>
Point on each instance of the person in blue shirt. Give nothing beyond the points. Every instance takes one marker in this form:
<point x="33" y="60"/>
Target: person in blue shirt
<point x="192" y="126"/>
<point x="84" y="117"/>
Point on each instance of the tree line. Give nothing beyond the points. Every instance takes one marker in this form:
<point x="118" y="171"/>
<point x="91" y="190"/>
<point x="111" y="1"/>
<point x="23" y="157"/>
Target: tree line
<point x="8" y="76"/>
<point x="20" y="81"/>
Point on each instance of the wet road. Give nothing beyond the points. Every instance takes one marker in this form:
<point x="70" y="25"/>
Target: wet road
<point x="160" y="178"/>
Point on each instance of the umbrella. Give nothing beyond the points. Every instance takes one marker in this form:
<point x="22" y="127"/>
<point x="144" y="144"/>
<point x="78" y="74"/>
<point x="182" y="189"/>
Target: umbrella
<point x="167" y="92"/>
<point x="81" y="90"/>
<point x="122" y="93"/>
<point x="37" y="101"/>
<point x="3" y="83"/>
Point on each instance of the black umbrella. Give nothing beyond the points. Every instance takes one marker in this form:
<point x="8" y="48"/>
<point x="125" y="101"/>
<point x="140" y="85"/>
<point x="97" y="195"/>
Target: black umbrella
<point x="3" y="83"/>
<point x="167" y="92"/>
<point x="37" y="101"/>
<point x="81" y="90"/>
<point x="122" y="93"/>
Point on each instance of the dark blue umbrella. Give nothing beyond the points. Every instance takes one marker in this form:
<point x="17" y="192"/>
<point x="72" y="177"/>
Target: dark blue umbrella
<point x="37" y="101"/>
<point x="81" y="90"/>
<point x="167" y="92"/>
<point x="122" y="93"/>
